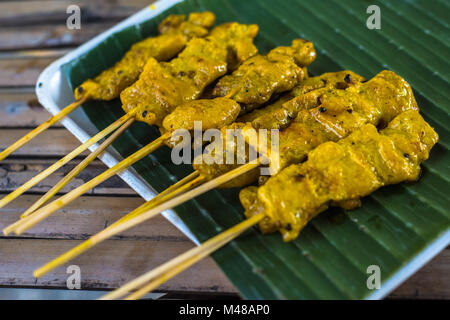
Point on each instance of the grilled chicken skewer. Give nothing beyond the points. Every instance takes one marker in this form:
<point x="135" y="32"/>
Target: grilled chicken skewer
<point x="164" y="85"/>
<point x="286" y="60"/>
<point x="335" y="174"/>
<point x="175" y="31"/>
<point x="295" y="142"/>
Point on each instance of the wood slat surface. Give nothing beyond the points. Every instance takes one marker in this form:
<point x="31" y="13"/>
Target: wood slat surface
<point x="28" y="27"/>
<point x="20" y="110"/>
<point x="22" y="72"/>
<point x="54" y="142"/>
<point x="51" y="11"/>
<point x="121" y="261"/>
<point x="15" y="172"/>
<point x="49" y="36"/>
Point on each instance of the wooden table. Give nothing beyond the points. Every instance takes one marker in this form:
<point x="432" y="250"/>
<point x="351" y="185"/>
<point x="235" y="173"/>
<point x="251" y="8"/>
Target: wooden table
<point x="28" y="26"/>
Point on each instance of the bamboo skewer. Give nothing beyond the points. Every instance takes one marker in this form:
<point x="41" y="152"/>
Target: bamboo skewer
<point x="182" y="262"/>
<point x="64" y="181"/>
<point x="175" y="271"/>
<point x="148" y="214"/>
<point x="44" y="126"/>
<point x="174" y="190"/>
<point x="80" y="167"/>
<point x="183" y="185"/>
<point x="46" y="211"/>
<point x="43" y="174"/>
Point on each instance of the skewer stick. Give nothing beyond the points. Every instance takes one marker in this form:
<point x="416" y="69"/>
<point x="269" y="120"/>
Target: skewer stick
<point x="182" y="262"/>
<point x="42" y="175"/>
<point x="46" y="211"/>
<point x="32" y="134"/>
<point x="80" y="167"/>
<point x="153" y="284"/>
<point x="107" y="233"/>
<point x="185" y="184"/>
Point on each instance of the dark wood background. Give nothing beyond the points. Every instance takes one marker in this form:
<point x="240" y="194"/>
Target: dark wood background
<point x="32" y="35"/>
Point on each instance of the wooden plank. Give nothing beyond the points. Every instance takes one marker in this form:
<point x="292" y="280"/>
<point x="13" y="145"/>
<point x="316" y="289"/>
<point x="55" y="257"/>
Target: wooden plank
<point x="20" y="110"/>
<point x="13" y="13"/>
<point x="87" y="216"/>
<point x="22" y="72"/>
<point x="106" y="266"/>
<point x="15" y="172"/>
<point x="53" y="142"/>
<point x="49" y="36"/>
<point x="115" y="262"/>
<point x="430" y="282"/>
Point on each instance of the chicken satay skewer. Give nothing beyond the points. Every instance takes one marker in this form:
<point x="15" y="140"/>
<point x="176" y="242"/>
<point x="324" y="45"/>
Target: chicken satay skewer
<point x="174" y="29"/>
<point x="373" y="159"/>
<point x="159" y="90"/>
<point x="286" y="57"/>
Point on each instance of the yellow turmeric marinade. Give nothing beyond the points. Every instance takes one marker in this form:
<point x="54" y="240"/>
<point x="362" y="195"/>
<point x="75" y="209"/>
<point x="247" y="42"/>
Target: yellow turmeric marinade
<point x="340" y="173"/>
<point x="175" y="31"/>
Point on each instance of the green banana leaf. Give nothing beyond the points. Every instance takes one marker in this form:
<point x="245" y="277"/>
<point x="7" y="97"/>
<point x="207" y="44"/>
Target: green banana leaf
<point x="329" y="260"/>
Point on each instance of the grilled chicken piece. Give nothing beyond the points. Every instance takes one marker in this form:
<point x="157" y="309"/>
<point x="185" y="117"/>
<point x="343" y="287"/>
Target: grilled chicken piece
<point x="164" y="86"/>
<point x="258" y="78"/>
<point x="175" y="30"/>
<point x="280" y="115"/>
<point x="213" y="114"/>
<point x="239" y="42"/>
<point x="195" y="25"/>
<point x="340" y="173"/>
